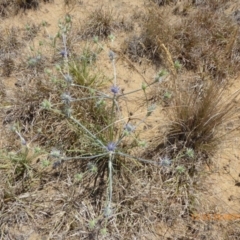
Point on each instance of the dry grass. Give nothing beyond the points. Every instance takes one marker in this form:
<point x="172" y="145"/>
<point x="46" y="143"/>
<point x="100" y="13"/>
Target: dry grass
<point x="199" y="38"/>
<point x="9" y="8"/>
<point x="196" y="41"/>
<point x="66" y="200"/>
<point x="5" y="8"/>
<point x="27" y="4"/>
<point x="163" y="2"/>
<point x="146" y="45"/>
<point x="7" y="67"/>
<point x="102" y="23"/>
<point x="198" y="114"/>
<point x="10" y="40"/>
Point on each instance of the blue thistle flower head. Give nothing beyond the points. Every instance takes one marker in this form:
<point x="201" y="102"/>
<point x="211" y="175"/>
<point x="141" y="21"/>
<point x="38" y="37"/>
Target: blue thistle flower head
<point x="115" y="89"/>
<point x="111" y="146"/>
<point x="64" y="53"/>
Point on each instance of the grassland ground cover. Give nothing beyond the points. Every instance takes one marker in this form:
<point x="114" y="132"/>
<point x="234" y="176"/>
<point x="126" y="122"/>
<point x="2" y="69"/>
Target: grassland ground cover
<point x="119" y="119"/>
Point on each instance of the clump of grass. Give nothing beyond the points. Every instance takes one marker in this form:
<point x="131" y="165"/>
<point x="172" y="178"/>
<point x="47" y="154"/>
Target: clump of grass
<point x="10" y="41"/>
<point x="27" y="4"/>
<point x="16" y="165"/>
<point x="82" y="73"/>
<point x="80" y="67"/>
<point x="198" y="120"/>
<point x="208" y="45"/>
<point x="102" y="23"/>
<point x="198" y="117"/>
<point x="196" y="42"/>
<point x="10" y="7"/>
<point x="5" y="8"/>
<point x="27" y="104"/>
<point x="19" y="160"/>
<point x="155" y="28"/>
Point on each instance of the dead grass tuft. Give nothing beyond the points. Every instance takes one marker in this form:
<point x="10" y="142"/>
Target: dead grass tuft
<point x="10" y="40"/>
<point x="197" y="41"/>
<point x="102" y="23"/>
<point x="208" y="44"/>
<point x="198" y="119"/>
<point x="12" y="7"/>
<point x="155" y="28"/>
<point x="5" y="8"/>
<point x="26" y="4"/>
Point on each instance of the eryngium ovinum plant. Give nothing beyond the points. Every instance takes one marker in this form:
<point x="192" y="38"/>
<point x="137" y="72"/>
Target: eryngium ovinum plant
<point x="104" y="152"/>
